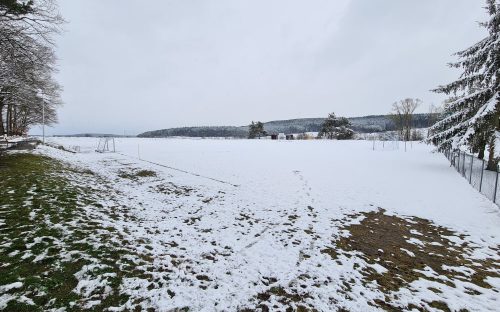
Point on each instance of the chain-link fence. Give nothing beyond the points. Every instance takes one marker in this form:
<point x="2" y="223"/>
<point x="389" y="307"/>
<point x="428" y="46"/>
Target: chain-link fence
<point x="474" y="170"/>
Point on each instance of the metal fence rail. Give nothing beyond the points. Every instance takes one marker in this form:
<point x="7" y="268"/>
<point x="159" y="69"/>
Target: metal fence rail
<point x="474" y="170"/>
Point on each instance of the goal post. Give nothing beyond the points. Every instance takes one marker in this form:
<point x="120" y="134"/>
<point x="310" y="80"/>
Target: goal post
<point x="106" y="145"/>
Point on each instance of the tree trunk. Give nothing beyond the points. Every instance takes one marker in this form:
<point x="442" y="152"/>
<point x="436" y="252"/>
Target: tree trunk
<point x="481" y="148"/>
<point x="14" y="122"/>
<point x="2" y="129"/>
<point x="492" y="163"/>
<point x="24" y="122"/>
<point x="7" y="121"/>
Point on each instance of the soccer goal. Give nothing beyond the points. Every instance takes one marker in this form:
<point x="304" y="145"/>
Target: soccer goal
<point x="106" y="145"/>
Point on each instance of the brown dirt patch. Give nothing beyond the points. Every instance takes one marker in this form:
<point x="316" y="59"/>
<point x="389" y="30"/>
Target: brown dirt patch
<point x="405" y="246"/>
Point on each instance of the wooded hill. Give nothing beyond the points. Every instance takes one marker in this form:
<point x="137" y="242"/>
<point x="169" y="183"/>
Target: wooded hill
<point x="366" y="124"/>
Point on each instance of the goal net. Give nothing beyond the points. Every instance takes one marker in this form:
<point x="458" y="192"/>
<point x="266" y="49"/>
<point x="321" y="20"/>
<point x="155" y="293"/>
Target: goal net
<point x="106" y="145"/>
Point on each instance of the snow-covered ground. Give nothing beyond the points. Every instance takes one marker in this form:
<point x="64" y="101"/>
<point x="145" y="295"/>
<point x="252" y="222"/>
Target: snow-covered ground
<point x="343" y="175"/>
<point x="225" y="221"/>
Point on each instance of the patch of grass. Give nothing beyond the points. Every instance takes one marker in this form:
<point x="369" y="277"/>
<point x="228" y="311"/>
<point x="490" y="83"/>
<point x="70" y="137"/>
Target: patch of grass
<point x="291" y="298"/>
<point x="145" y="173"/>
<point x="440" y="306"/>
<point x="135" y="175"/>
<point x="47" y="237"/>
<point x="26" y="187"/>
<point x="173" y="189"/>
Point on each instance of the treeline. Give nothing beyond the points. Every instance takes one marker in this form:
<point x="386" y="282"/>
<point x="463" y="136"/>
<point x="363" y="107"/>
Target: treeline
<point x="366" y="124"/>
<point x="383" y="123"/>
<point x="28" y="90"/>
<point x="237" y="132"/>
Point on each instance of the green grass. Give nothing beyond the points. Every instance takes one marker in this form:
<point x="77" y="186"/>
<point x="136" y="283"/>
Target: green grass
<point x="135" y="175"/>
<point x="38" y="201"/>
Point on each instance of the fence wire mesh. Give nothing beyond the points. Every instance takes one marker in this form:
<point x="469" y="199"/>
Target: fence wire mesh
<point x="474" y="171"/>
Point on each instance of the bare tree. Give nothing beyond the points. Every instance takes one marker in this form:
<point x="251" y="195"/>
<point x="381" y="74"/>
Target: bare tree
<point x="402" y="115"/>
<point x="27" y="64"/>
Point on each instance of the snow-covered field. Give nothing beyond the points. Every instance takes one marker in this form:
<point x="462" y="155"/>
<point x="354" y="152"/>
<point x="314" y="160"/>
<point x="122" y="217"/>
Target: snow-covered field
<point x="235" y="224"/>
<point x="342" y="175"/>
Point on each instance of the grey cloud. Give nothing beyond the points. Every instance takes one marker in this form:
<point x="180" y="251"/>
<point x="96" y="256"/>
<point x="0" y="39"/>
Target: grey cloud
<point x="134" y="67"/>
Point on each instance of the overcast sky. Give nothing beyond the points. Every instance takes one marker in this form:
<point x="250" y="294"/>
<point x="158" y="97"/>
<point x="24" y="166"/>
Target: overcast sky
<point x="132" y="66"/>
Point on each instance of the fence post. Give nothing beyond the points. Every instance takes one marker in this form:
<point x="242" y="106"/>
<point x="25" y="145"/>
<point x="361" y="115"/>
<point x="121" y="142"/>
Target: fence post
<point x="481" y="181"/>
<point x="496" y="184"/>
<point x="463" y="167"/>
<point x="470" y="173"/>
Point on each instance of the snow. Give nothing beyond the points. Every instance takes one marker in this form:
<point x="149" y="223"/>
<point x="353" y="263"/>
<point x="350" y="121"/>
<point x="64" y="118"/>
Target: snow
<point x="410" y="253"/>
<point x="380" y="269"/>
<point x="387" y="179"/>
<point x="415" y="232"/>
<point x="251" y="204"/>
<point x="415" y="241"/>
<point x="461" y="269"/>
<point x="6" y="298"/>
<point x="88" y="284"/>
<point x="5" y="288"/>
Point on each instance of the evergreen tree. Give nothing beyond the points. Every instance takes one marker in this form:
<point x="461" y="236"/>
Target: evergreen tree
<point x="336" y="128"/>
<point x="471" y="119"/>
<point x="15" y="7"/>
<point x="256" y="130"/>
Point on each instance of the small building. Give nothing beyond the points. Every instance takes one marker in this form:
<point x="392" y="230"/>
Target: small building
<point x="290" y="137"/>
<point x="274" y="136"/>
<point x="281" y="136"/>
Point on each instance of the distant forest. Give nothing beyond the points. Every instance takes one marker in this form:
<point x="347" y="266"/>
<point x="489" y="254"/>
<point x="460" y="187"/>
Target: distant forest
<point x="220" y="131"/>
<point x="366" y="124"/>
